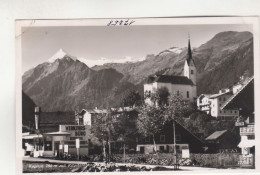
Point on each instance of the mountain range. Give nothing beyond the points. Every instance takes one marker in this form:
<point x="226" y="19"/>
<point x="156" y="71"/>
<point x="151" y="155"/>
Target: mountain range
<point x="64" y="83"/>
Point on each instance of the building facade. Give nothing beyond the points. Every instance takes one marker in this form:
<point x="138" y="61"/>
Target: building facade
<point x="212" y="103"/>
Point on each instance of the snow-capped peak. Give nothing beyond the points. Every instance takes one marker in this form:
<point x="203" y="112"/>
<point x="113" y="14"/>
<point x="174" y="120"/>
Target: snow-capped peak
<point x="59" y="55"/>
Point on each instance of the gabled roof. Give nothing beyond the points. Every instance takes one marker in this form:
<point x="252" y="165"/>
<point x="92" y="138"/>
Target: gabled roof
<point x="220" y="94"/>
<point x="96" y="111"/>
<point x="216" y="135"/>
<point x="189" y="132"/>
<point x="169" y="79"/>
<point x="204" y="95"/>
<point x="243" y="98"/>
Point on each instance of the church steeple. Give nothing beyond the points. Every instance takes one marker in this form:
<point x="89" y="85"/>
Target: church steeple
<point x="189" y="66"/>
<point x="189" y="55"/>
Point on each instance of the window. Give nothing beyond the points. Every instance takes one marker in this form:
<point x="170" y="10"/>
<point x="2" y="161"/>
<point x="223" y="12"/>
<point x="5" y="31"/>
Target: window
<point x="178" y="93"/>
<point x="235" y="112"/>
<point x="220" y="112"/>
<point x="48" y="145"/>
<point x="220" y="99"/>
<point x="191" y="71"/>
<point x="162" y="138"/>
<point x="231" y="111"/>
<point x="161" y="148"/>
<point x="147" y="139"/>
<point x="224" y="111"/>
<point x="188" y="94"/>
<point x="224" y="99"/>
<point x="251" y="137"/>
<point x="178" y="137"/>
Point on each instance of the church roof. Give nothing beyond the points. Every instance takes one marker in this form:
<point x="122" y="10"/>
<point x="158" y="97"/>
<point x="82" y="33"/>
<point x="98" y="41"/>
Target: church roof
<point x="169" y="79"/>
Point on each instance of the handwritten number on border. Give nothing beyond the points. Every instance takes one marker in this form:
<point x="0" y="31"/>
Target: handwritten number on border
<point x="120" y="22"/>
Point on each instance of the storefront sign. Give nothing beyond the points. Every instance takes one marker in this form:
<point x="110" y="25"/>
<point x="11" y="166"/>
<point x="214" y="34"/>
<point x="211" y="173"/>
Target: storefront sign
<point x="76" y="131"/>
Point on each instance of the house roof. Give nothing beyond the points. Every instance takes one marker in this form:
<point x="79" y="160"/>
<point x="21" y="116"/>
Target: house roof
<point x="243" y="98"/>
<point x="204" y="95"/>
<point x="96" y="111"/>
<point x="57" y="117"/>
<point x="173" y="79"/>
<point x="216" y="135"/>
<point x="219" y="94"/>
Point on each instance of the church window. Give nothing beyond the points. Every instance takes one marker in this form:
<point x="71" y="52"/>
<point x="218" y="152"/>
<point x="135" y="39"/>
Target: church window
<point x="188" y="94"/>
<point x="191" y="71"/>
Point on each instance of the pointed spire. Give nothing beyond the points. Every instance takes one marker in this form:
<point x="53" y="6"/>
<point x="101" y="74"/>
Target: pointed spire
<point x="189" y="55"/>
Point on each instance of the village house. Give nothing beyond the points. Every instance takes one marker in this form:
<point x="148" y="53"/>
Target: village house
<point x="185" y="85"/>
<point x="212" y="103"/>
<point x="222" y="141"/>
<point x="164" y="141"/>
<point x="243" y="100"/>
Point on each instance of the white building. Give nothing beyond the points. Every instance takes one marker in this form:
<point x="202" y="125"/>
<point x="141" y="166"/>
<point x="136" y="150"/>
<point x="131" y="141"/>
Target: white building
<point x="184" y="85"/>
<point x="211" y="104"/>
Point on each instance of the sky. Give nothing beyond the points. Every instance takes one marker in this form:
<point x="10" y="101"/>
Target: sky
<point x="100" y="44"/>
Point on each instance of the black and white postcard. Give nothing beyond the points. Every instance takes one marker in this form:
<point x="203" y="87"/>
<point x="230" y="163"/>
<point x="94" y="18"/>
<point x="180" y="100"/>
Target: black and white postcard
<point x="174" y="95"/>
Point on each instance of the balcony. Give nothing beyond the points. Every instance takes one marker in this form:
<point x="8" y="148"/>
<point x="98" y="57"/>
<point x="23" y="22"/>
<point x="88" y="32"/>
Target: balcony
<point x="249" y="130"/>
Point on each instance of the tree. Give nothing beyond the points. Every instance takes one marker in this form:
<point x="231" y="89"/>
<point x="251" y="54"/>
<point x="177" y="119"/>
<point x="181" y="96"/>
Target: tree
<point x="175" y="110"/>
<point x="150" y="121"/>
<point x="151" y="118"/>
<point x="104" y="129"/>
<point x="131" y="98"/>
<point x="161" y="96"/>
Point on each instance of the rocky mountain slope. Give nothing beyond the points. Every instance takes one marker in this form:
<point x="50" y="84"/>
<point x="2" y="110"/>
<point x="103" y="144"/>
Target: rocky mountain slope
<point x="66" y="84"/>
<point x="226" y="56"/>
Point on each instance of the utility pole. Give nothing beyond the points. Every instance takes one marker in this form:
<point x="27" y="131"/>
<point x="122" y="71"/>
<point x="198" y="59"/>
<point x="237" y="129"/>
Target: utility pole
<point x="124" y="153"/>
<point x="174" y="144"/>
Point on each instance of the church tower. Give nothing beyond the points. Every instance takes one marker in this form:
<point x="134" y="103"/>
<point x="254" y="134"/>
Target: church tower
<point x="189" y="66"/>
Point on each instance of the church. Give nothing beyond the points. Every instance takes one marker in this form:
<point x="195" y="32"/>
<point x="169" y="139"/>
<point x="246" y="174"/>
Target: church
<point x="185" y="85"/>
